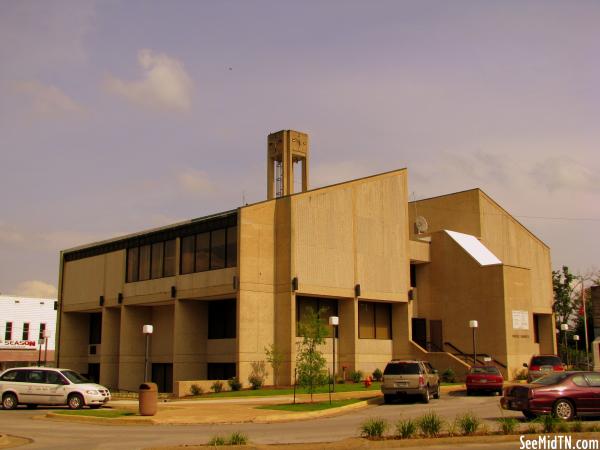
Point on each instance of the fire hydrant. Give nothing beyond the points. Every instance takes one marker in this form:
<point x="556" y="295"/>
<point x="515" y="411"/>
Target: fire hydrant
<point x="368" y="381"/>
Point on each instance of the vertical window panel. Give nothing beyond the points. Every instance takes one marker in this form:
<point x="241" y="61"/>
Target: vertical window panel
<point x="42" y="330"/>
<point x="25" y="331"/>
<point x="366" y="320"/>
<point x="187" y="254"/>
<point x="202" y="252"/>
<point x="8" y="331"/>
<point x="217" y="253"/>
<point x="157" y="259"/>
<point x="383" y="322"/>
<point x="132" y="264"/>
<point x="222" y="319"/>
<point x="231" y="246"/>
<point x="169" y="266"/>
<point x="145" y="251"/>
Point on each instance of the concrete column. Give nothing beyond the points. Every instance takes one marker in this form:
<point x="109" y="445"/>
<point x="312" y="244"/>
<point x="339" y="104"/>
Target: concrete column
<point x="189" y="340"/>
<point x="109" y="350"/>
<point x="74" y="339"/>
<point x="348" y="334"/>
<point x="132" y="346"/>
<point x="547" y="335"/>
<point x="401" y="330"/>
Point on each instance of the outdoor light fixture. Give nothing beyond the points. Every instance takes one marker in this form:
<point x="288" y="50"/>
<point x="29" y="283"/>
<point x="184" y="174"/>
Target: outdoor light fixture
<point x="565" y="327"/>
<point x="473" y="324"/>
<point x="334" y="321"/>
<point x="147" y="330"/>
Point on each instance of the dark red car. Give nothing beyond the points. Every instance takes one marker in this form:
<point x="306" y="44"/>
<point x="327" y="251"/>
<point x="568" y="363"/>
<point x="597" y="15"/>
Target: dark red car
<point x="484" y="379"/>
<point x="563" y="394"/>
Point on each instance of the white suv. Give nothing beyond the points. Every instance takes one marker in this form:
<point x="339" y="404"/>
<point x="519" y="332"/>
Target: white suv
<point x="34" y="386"/>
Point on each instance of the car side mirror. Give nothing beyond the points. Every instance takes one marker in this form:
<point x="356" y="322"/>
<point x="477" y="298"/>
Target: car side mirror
<point x="525" y="365"/>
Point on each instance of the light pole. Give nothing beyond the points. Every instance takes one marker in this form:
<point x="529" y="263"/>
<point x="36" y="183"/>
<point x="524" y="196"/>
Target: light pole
<point x="585" y="325"/>
<point x="473" y="324"/>
<point x="334" y="321"/>
<point x="46" y="337"/>
<point x="576" y="339"/>
<point x="147" y="330"/>
<point x="565" y="327"/>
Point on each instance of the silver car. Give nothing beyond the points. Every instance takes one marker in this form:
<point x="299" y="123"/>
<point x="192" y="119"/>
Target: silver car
<point x="34" y="386"/>
<point x="402" y="378"/>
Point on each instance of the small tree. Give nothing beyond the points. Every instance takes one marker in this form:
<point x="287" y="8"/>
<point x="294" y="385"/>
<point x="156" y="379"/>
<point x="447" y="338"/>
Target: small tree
<point x="258" y="375"/>
<point x="309" y="359"/>
<point x="275" y="358"/>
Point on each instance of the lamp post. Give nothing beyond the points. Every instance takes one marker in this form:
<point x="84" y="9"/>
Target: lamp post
<point x="46" y="338"/>
<point x="576" y="339"/>
<point x="147" y="330"/>
<point x="40" y="343"/>
<point x="334" y="321"/>
<point x="473" y="324"/>
<point x="565" y="327"/>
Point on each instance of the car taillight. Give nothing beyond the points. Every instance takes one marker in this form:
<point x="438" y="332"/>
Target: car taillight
<point x="534" y="368"/>
<point x="421" y="380"/>
<point x="559" y="368"/>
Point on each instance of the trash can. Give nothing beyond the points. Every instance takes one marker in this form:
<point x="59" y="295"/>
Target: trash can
<point x="148" y="398"/>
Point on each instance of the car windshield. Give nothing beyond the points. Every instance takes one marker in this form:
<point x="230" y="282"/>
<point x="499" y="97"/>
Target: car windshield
<point x="553" y="378"/>
<point x="75" y="377"/>
<point x="402" y="369"/>
<point x="484" y="370"/>
<point x="546" y="361"/>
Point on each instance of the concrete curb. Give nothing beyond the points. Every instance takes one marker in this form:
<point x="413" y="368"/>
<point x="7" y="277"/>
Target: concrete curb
<point x="316" y="414"/>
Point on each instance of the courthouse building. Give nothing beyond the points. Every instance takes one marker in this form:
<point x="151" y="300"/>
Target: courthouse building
<point x="404" y="278"/>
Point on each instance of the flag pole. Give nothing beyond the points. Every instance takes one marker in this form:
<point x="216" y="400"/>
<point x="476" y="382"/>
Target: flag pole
<point x="585" y="326"/>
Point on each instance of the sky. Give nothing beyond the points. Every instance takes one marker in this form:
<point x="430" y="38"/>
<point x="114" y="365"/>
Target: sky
<point x="119" y="116"/>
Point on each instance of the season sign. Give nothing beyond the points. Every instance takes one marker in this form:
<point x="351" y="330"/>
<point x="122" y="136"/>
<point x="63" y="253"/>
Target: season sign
<point x="17" y="344"/>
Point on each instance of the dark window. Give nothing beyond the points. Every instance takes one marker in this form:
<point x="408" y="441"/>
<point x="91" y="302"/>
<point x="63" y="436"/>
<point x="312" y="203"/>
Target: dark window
<point x="220" y="371"/>
<point x="231" y="246"/>
<point x="93" y="372"/>
<point x="536" y="329"/>
<point x="55" y="378"/>
<point x="12" y="375"/>
<point x="26" y="331"/>
<point x="95" y="328"/>
<point x="36" y="376"/>
<point x="202" y="252"/>
<point x="546" y="361"/>
<point x="374" y="320"/>
<point x="413" y="275"/>
<point x="187" y="254"/>
<point x="169" y="258"/>
<point x="132" y="264"/>
<point x="217" y="249"/>
<point x="402" y="368"/>
<point x="145" y="262"/>
<point x="8" y="332"/>
<point x="222" y="319"/>
<point x="484" y="369"/>
<point x="157" y="259"/>
<point x="325" y="308"/>
<point x="42" y="330"/>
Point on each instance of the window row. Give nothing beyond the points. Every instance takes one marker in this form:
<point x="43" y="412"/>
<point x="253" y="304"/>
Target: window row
<point x="151" y="261"/>
<point x="211" y="250"/>
<point x="305" y="306"/>
<point x="374" y="320"/>
<point x="25" y="336"/>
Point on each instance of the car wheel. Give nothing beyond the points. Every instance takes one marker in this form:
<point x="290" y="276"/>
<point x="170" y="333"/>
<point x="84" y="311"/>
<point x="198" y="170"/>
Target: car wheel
<point x="31" y="406"/>
<point x="95" y="406"/>
<point x="528" y="414"/>
<point x="564" y="409"/>
<point x="436" y="394"/>
<point x="75" y="401"/>
<point x="9" y="401"/>
<point x="387" y="398"/>
<point x="426" y="395"/>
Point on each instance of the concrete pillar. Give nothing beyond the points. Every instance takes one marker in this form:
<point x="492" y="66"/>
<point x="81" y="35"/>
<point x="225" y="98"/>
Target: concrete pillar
<point x="348" y="334"/>
<point x="109" y="350"/>
<point x="189" y="340"/>
<point x="74" y="339"/>
<point x="132" y="346"/>
<point x="401" y="330"/>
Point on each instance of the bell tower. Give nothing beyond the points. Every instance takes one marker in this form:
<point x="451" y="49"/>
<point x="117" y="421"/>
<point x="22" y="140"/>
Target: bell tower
<point x="285" y="149"/>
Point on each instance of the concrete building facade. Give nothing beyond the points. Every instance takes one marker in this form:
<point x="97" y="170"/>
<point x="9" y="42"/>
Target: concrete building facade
<point x="220" y="289"/>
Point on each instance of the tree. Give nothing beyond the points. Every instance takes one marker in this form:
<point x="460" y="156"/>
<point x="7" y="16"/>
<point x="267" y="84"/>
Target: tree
<point x="310" y="362"/>
<point x="563" y="305"/>
<point x="275" y="358"/>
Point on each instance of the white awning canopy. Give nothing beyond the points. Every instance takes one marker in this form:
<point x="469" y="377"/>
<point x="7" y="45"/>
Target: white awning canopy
<point x="475" y="248"/>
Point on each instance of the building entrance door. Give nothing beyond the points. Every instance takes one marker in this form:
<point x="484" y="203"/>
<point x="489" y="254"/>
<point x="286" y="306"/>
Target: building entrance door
<point x="419" y="331"/>
<point x="435" y="336"/>
<point x="162" y="375"/>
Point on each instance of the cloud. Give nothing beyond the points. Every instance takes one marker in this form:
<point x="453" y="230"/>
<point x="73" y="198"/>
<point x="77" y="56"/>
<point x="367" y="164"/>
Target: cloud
<point x="36" y="288"/>
<point x="562" y="172"/>
<point x="165" y="83"/>
<point x="48" y="101"/>
<point x="195" y="181"/>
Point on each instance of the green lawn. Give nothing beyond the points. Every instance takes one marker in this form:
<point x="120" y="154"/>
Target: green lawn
<point x="108" y="413"/>
<point x="316" y="406"/>
<point x="346" y="387"/>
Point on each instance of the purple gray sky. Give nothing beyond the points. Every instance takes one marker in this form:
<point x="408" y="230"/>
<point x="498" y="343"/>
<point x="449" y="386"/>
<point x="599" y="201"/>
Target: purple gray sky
<point x="118" y="116"/>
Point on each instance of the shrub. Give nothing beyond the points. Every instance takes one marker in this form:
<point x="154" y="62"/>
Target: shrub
<point x="562" y="427"/>
<point x="405" y="429"/>
<point x="256" y="382"/>
<point x="448" y="376"/>
<point x="430" y="424"/>
<point x="508" y="425"/>
<point x="452" y="427"/>
<point x="356" y="376"/>
<point x="196" y="390"/>
<point x="217" y="386"/>
<point x="548" y="423"/>
<point x="258" y="374"/>
<point x="468" y="423"/>
<point x="377" y="374"/>
<point x="373" y="428"/>
<point x="531" y="428"/>
<point x="215" y="441"/>
<point x="577" y="426"/>
<point x="234" y="384"/>
<point x="593" y="428"/>
<point x="237" y="438"/>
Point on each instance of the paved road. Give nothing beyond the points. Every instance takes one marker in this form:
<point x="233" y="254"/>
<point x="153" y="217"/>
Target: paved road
<point x="69" y="436"/>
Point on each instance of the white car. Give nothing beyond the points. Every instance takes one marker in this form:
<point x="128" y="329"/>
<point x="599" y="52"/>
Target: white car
<point x="34" y="386"/>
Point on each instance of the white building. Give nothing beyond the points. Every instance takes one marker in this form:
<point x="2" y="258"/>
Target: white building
<point x="23" y="323"/>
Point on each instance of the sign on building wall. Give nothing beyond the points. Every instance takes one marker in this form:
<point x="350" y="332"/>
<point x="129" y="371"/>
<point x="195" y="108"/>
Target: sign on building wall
<point x="18" y="345"/>
<point x="520" y="320"/>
